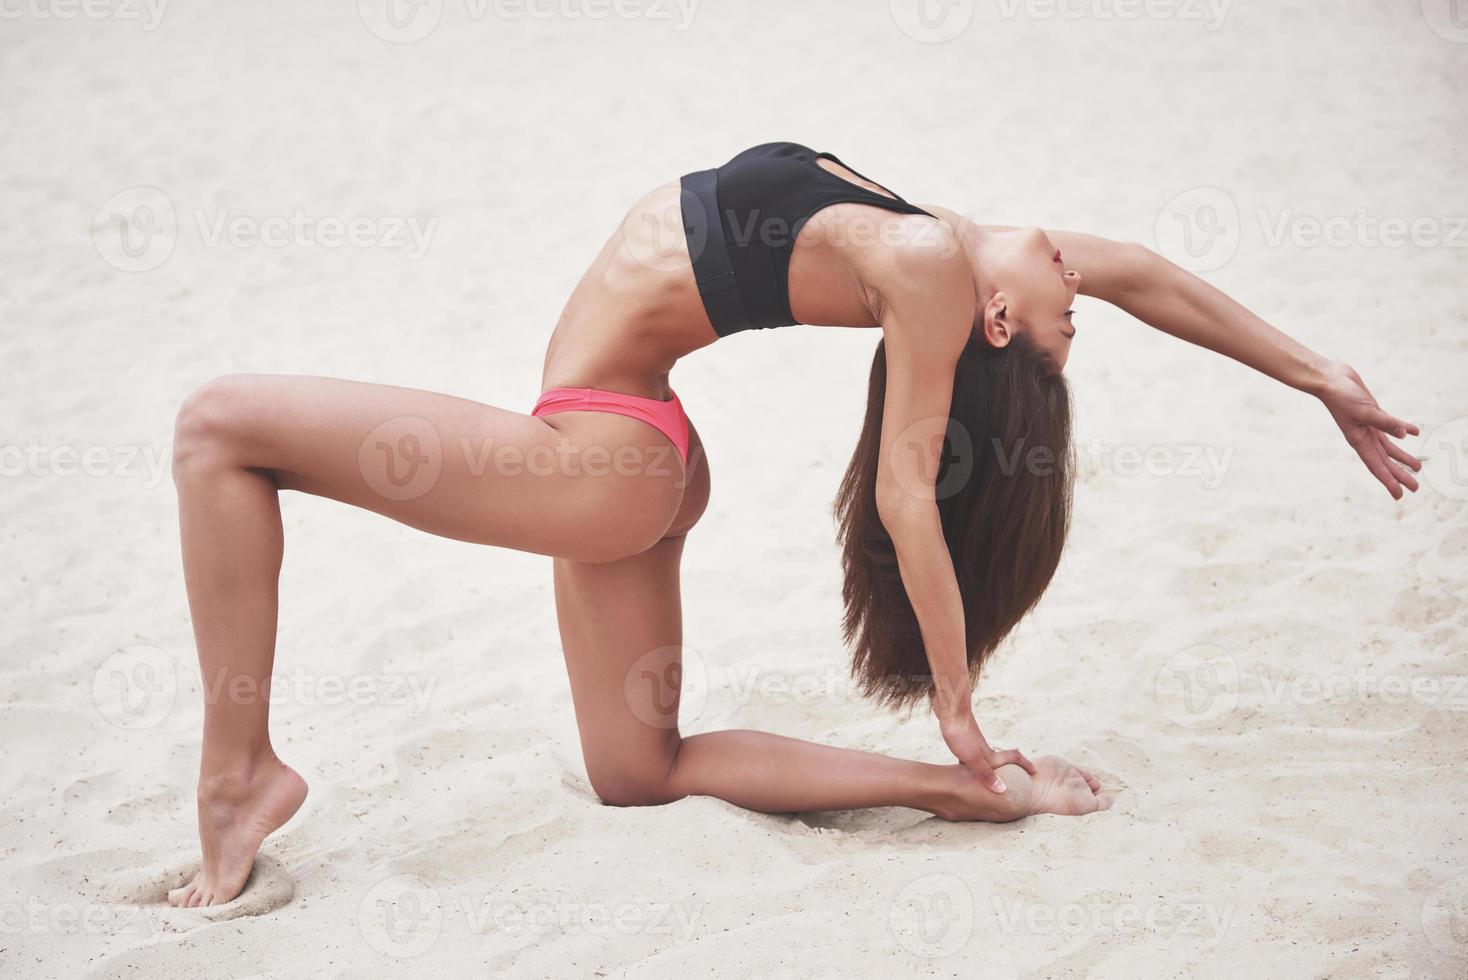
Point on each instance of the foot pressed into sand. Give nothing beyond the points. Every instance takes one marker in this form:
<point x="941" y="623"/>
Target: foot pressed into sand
<point x="237" y="810"/>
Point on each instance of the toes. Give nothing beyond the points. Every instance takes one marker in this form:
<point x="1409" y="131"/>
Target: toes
<point x="179" y="897"/>
<point x="196" y="899"/>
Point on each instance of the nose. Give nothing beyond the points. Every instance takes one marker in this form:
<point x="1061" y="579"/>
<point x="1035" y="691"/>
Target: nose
<point x="1073" y="279"/>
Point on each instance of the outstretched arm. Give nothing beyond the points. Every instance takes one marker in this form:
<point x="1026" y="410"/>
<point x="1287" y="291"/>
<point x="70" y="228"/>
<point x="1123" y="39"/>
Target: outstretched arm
<point x="1173" y="300"/>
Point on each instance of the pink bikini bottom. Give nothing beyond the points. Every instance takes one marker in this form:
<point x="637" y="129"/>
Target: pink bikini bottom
<point x="667" y="417"/>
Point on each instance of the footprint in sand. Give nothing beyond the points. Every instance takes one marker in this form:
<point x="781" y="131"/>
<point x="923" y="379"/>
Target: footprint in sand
<point x="269" y="887"/>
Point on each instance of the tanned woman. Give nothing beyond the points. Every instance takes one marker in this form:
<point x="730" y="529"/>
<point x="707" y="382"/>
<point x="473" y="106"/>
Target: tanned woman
<point x="952" y="514"/>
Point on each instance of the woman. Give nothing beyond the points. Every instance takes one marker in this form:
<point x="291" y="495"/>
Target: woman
<point x="950" y="529"/>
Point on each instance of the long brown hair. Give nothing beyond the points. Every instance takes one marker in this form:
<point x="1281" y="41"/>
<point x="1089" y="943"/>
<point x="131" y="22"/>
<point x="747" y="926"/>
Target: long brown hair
<point x="1004" y="496"/>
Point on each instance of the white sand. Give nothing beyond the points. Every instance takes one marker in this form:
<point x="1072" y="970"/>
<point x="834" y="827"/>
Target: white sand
<point x="1265" y="830"/>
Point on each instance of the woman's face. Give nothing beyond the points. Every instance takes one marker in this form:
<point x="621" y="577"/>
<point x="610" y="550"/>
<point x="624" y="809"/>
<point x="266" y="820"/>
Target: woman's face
<point x="1032" y="291"/>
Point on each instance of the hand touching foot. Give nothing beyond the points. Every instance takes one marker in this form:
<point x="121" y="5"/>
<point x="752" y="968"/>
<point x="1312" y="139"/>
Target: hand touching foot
<point x="1056" y="787"/>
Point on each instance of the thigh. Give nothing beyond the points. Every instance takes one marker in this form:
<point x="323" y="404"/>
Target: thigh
<point x="447" y="465"/>
<point x="622" y="631"/>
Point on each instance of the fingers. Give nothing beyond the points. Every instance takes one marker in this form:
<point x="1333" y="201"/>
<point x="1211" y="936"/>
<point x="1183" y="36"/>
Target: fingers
<point x="988" y="777"/>
<point x="1103" y="798"/>
<point x="1370" y="452"/>
<point x="1403" y="477"/>
<point x="985" y="774"/>
<point x="1391" y="424"/>
<point x="1401" y="455"/>
<point x="1399" y="475"/>
<point x="1091" y="780"/>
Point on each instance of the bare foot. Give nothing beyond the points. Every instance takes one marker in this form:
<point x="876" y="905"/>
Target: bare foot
<point x="1056" y="787"/>
<point x="236" y="812"/>
<point x="1059" y="787"/>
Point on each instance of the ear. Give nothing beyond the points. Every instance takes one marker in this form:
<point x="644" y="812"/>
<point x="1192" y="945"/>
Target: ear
<point x="997" y="324"/>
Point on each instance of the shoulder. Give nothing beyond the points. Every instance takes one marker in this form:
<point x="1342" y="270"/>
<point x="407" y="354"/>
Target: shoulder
<point x="916" y="276"/>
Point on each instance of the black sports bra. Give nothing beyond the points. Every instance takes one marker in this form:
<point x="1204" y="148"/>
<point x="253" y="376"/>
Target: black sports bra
<point x="741" y="221"/>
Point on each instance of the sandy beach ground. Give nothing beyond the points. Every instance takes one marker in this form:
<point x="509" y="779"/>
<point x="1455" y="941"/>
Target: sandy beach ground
<point x="1248" y="638"/>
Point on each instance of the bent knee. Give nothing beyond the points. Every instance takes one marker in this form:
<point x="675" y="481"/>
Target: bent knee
<point x="617" y="786"/>
<point x="207" y="426"/>
<point x="619" y="793"/>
